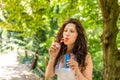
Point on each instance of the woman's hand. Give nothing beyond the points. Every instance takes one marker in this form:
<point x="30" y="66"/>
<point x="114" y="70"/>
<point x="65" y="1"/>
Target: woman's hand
<point x="74" y="65"/>
<point x="54" y="49"/>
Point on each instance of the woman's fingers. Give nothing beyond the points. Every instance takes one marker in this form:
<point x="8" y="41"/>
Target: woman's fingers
<point x="54" y="49"/>
<point x="72" y="63"/>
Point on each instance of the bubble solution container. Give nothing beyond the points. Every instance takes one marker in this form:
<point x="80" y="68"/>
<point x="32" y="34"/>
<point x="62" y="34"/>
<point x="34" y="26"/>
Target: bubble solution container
<point x="66" y="58"/>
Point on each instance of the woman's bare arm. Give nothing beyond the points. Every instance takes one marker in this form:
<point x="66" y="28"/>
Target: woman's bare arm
<point x="54" y="50"/>
<point x="50" y="68"/>
<point x="87" y="74"/>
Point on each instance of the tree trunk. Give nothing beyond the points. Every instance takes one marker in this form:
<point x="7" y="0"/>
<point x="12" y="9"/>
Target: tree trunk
<point x="111" y="55"/>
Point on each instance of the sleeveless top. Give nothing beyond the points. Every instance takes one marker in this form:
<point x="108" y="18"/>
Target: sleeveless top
<point x="64" y="73"/>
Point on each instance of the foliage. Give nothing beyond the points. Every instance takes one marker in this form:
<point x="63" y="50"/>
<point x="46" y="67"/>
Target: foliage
<point x="35" y="22"/>
<point x="96" y="52"/>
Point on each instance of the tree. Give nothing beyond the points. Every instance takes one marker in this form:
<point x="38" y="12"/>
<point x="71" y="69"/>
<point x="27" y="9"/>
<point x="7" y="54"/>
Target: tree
<point x="111" y="55"/>
<point x="33" y="18"/>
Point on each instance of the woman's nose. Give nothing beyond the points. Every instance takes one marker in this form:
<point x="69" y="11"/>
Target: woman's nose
<point x="67" y="33"/>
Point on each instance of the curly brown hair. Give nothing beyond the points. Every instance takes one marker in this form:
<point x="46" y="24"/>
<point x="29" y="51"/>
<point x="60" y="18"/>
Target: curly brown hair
<point x="80" y="47"/>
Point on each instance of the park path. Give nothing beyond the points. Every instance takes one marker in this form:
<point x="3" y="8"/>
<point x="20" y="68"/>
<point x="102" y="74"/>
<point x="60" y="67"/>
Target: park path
<point x="11" y="69"/>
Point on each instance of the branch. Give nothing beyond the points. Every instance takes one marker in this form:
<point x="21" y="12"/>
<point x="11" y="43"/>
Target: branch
<point x="104" y="8"/>
<point x="102" y="4"/>
<point x="119" y="10"/>
<point x="110" y="9"/>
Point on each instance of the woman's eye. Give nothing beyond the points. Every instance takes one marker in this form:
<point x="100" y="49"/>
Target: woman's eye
<point x="72" y="31"/>
<point x="65" y="30"/>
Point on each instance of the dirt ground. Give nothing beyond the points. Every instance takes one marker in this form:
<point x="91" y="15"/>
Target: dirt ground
<point x="11" y="69"/>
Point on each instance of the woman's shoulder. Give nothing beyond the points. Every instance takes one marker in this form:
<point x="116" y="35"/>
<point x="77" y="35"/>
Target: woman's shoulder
<point x="88" y="57"/>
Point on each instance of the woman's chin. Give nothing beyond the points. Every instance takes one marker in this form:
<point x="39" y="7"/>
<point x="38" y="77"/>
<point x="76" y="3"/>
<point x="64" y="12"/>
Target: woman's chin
<point x="65" y="43"/>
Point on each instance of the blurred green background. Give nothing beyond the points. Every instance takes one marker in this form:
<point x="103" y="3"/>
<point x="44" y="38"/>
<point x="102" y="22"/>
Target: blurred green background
<point x="30" y="26"/>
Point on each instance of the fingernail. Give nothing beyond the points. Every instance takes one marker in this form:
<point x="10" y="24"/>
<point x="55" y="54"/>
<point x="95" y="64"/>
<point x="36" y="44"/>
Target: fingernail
<point x="57" y="46"/>
<point x="62" y="40"/>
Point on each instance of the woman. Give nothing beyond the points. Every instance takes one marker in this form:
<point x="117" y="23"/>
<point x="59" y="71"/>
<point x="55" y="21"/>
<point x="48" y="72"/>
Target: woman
<point x="70" y="40"/>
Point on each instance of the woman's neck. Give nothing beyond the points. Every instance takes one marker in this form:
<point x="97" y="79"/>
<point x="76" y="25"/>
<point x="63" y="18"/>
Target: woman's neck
<point x="69" y="49"/>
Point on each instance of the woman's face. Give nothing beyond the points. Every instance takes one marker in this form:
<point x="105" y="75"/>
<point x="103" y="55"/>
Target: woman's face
<point x="70" y="34"/>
